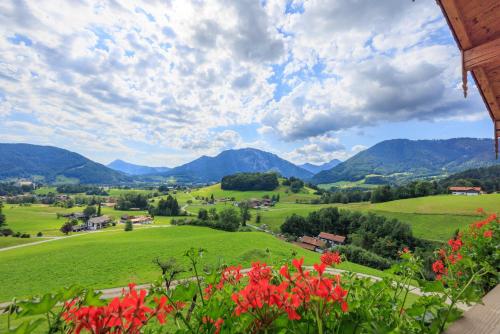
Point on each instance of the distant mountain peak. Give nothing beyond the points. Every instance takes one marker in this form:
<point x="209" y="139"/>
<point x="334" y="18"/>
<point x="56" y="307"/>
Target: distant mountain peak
<point x="212" y="169"/>
<point x="313" y="168"/>
<point x="133" y="169"/>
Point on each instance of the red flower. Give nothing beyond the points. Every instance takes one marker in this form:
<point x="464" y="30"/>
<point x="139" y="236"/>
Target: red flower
<point x="216" y="323"/>
<point x="231" y="275"/>
<point x="455" y="244"/>
<point x="488" y="234"/>
<point x="330" y="258"/>
<point x="438" y="267"/>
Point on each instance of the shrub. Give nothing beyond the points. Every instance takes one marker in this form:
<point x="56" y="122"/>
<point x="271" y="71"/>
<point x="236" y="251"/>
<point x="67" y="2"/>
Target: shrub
<point x="128" y="226"/>
<point x="39" y="234"/>
<point x="359" y="255"/>
<point x="6" y="232"/>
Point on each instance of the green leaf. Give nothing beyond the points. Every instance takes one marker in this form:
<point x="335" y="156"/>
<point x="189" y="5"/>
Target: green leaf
<point x="42" y="306"/>
<point x="26" y="327"/>
<point x="434" y="286"/>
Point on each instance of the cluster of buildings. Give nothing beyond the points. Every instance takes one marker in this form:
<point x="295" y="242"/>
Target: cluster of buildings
<point x="321" y="242"/>
<point x="92" y="224"/>
<point x="137" y="219"/>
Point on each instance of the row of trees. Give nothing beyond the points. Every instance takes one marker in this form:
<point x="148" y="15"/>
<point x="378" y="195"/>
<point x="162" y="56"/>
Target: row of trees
<point x="295" y="184"/>
<point x="166" y="207"/>
<point x="81" y="188"/>
<point x="132" y="200"/>
<point x="250" y="181"/>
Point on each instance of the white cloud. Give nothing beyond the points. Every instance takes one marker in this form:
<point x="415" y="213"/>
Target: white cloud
<point x="168" y="74"/>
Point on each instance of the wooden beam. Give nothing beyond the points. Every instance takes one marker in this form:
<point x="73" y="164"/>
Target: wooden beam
<point x="487" y="92"/>
<point x="454" y="18"/>
<point x="481" y="55"/>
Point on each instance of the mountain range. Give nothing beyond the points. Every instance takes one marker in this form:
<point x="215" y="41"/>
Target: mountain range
<point x="212" y="169"/>
<point x="395" y="160"/>
<point x="318" y="168"/>
<point x="51" y="164"/>
<point x="132" y="169"/>
<point x="412" y="159"/>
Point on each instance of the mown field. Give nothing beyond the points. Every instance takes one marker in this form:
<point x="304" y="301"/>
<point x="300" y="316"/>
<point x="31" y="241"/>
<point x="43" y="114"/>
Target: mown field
<point x="115" y="258"/>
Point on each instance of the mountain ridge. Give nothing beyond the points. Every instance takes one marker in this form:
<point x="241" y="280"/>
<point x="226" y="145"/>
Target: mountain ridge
<point x="417" y="157"/>
<point x="133" y="169"/>
<point x="318" y="168"/>
<point x="212" y="169"/>
<point x="20" y="160"/>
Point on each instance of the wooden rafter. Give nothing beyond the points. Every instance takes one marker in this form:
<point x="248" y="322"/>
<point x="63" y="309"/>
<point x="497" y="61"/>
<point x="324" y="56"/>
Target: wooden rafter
<point x="482" y="55"/>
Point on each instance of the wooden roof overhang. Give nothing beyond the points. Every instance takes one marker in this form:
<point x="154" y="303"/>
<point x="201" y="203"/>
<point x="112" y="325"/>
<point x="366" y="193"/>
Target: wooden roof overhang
<point x="475" y="24"/>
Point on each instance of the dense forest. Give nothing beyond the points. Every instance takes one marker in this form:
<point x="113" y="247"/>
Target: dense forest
<point x="250" y="181"/>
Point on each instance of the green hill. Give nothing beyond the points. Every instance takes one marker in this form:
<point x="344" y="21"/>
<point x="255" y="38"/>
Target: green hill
<point x="52" y="164"/>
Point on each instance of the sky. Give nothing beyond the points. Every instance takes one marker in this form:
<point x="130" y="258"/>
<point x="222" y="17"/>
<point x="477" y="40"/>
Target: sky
<point x="162" y="82"/>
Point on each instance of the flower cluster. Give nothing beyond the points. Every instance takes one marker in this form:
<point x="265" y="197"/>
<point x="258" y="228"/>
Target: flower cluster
<point x="331" y="258"/>
<point x="122" y="315"/>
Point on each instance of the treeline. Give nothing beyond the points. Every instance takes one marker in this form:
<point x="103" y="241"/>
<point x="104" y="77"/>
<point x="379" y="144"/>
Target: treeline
<point x="250" y="181"/>
<point x="378" y="236"/>
<point x="12" y="189"/>
<point x="81" y="188"/>
<point x="132" y="201"/>
<point x="342" y="196"/>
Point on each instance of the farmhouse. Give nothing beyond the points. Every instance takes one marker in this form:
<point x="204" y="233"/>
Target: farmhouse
<point x="312" y="244"/>
<point x="467" y="191"/>
<point x="136" y="219"/>
<point x="331" y="239"/>
<point x="97" y="223"/>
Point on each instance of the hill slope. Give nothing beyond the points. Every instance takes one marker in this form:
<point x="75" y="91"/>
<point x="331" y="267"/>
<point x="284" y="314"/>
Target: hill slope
<point x="212" y="169"/>
<point x="52" y="163"/>
<point x="318" y="168"/>
<point x="487" y="178"/>
<point x="414" y="157"/>
<point x="132" y="169"/>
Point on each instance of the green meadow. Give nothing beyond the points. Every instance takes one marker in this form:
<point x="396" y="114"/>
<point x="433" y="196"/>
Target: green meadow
<point x="113" y="258"/>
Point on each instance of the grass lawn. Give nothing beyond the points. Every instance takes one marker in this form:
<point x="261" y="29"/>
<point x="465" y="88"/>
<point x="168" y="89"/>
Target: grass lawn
<point x="115" y="258"/>
<point x="285" y="194"/>
<point x="115" y="192"/>
<point x="11" y="241"/>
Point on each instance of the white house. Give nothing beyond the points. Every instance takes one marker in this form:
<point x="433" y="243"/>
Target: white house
<point x="97" y="223"/>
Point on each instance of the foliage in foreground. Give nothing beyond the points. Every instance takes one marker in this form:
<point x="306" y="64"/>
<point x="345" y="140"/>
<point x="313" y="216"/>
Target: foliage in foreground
<point x="284" y="298"/>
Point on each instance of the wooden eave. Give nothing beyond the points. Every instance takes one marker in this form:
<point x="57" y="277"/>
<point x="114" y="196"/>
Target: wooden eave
<point x="475" y="24"/>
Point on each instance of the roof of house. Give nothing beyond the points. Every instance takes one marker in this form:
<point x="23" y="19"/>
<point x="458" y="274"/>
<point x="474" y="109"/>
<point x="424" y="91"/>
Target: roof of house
<point x="312" y="241"/>
<point x="305" y="246"/>
<point x="332" y="237"/>
<point x="465" y="188"/>
<point x="99" y="220"/>
<point x="475" y="25"/>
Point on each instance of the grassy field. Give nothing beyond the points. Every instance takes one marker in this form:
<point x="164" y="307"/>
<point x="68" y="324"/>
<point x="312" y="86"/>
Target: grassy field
<point x="285" y="194"/>
<point x="115" y="258"/>
<point x="11" y="241"/>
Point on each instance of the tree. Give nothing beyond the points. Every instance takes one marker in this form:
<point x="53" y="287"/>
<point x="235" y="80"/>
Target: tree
<point x="3" y="220"/>
<point x="66" y="228"/>
<point x="203" y="214"/>
<point x="99" y="210"/>
<point x="166" y="207"/>
<point x="229" y="220"/>
<point x="128" y="226"/>
<point x="212" y="199"/>
<point x="245" y="213"/>
<point x="257" y="218"/>
<point x="89" y="211"/>
<point x="169" y="270"/>
<point x="212" y="214"/>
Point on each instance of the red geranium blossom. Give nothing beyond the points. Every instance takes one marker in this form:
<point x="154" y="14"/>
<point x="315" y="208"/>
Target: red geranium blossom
<point x="330" y="258"/>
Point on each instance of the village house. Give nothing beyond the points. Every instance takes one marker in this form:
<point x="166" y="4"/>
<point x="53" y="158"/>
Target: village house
<point x="97" y="223"/>
<point x="331" y="240"/>
<point x="136" y="219"/>
<point x="465" y="191"/>
<point x="311" y="243"/>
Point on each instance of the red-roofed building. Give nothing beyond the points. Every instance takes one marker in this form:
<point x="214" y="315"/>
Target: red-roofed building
<point x="467" y="191"/>
<point x="331" y="239"/>
<point x="311" y="243"/>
